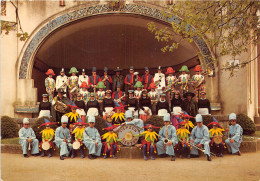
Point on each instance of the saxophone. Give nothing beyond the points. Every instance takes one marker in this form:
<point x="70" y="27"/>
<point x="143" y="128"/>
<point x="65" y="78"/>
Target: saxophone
<point x="166" y="140"/>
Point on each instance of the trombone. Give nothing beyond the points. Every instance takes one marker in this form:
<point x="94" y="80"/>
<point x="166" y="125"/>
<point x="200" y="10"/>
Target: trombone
<point x="195" y="146"/>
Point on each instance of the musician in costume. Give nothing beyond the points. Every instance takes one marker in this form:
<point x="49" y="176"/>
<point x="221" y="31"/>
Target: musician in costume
<point x="148" y="143"/>
<point x="198" y="82"/>
<point x="216" y="132"/>
<point x="204" y="104"/>
<point x="108" y="106"/>
<point x="92" y="107"/>
<point x="83" y="78"/>
<point x="106" y="79"/>
<point x="63" y="138"/>
<point x="137" y="122"/>
<point x="44" y="107"/>
<point x="183" y="137"/>
<point x="100" y="93"/>
<point x="171" y="81"/>
<point x="183" y="80"/>
<point x="118" y="95"/>
<point x="176" y="100"/>
<point x="119" y="116"/>
<point x="147" y="78"/>
<point x="93" y="79"/>
<point x="153" y="96"/>
<point x="47" y="138"/>
<point x="62" y="81"/>
<point x="132" y="103"/>
<point x="186" y="119"/>
<point x="73" y="83"/>
<point x="189" y="104"/>
<point x="92" y="139"/>
<point x="118" y="79"/>
<point x="176" y="108"/>
<point x="130" y="79"/>
<point x="234" y="135"/>
<point x="110" y="145"/>
<point x="200" y="137"/>
<point x="78" y="135"/>
<point x="145" y="106"/>
<point x="84" y="92"/>
<point x="162" y="107"/>
<point x="72" y="116"/>
<point x="138" y="92"/>
<point x="27" y="139"/>
<point x="50" y="84"/>
<point x="81" y="107"/>
<point x="167" y="138"/>
<point x="159" y="80"/>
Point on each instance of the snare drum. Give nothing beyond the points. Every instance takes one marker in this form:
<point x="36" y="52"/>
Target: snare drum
<point x="46" y="145"/>
<point x="76" y="145"/>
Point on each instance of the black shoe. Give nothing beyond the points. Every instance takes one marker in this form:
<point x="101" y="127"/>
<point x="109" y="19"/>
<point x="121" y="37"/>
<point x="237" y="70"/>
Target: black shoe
<point x="173" y="158"/>
<point x="42" y="155"/>
<point x="61" y="158"/>
<point x="220" y="155"/>
<point x="188" y="156"/>
<point x="237" y="153"/>
<point x="82" y="156"/>
<point x="35" y="154"/>
<point x="194" y="156"/>
<point x="208" y="158"/>
<point x="90" y="157"/>
<point x="25" y="155"/>
<point x="72" y="156"/>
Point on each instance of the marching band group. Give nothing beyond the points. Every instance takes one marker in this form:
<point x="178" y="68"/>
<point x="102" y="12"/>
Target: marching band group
<point x="168" y="97"/>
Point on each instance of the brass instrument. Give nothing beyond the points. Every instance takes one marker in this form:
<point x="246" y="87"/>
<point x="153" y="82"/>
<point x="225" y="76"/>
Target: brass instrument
<point x="119" y="100"/>
<point x="64" y="84"/>
<point x="136" y="76"/>
<point x="195" y="146"/>
<point x="60" y="106"/>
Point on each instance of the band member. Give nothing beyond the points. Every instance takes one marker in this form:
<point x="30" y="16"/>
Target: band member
<point x="183" y="138"/>
<point x="62" y="81"/>
<point x="137" y="122"/>
<point x="92" y="107"/>
<point x="130" y="79"/>
<point x="186" y="119"/>
<point x="118" y="78"/>
<point x="145" y="106"/>
<point x="93" y="79"/>
<point x="81" y="107"/>
<point x="200" y="137"/>
<point x="183" y="80"/>
<point x="84" y="92"/>
<point x="78" y="134"/>
<point x="176" y="108"/>
<point x="148" y="143"/>
<point x="110" y="145"/>
<point x="216" y="131"/>
<point x="47" y="136"/>
<point x="167" y="138"/>
<point x="132" y="103"/>
<point x="73" y="83"/>
<point x="171" y="81"/>
<point x="198" y="82"/>
<point x="146" y="79"/>
<point x="118" y="95"/>
<point x="153" y="96"/>
<point x="176" y="100"/>
<point x="138" y="92"/>
<point x="204" y="104"/>
<point x="27" y="139"/>
<point x="92" y="139"/>
<point x="119" y="116"/>
<point x="159" y="80"/>
<point x="106" y="79"/>
<point x="235" y="135"/>
<point x="100" y="93"/>
<point x="162" y="107"/>
<point x="63" y="138"/>
<point x="73" y="116"/>
<point x="83" y="78"/>
<point x="108" y="106"/>
<point x="189" y="105"/>
<point x="45" y="107"/>
<point x="50" y="84"/>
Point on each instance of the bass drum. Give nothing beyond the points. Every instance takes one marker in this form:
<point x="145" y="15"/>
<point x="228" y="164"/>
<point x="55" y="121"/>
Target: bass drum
<point x="127" y="132"/>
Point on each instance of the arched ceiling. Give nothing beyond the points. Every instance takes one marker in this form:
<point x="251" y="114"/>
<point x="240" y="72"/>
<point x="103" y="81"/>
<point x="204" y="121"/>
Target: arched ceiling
<point x="110" y="40"/>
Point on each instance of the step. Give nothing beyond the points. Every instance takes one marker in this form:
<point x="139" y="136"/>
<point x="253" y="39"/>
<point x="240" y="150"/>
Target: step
<point x="257" y="120"/>
<point x="257" y="127"/>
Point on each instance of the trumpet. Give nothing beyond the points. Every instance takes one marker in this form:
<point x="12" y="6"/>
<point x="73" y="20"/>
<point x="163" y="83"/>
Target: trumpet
<point x="195" y="146"/>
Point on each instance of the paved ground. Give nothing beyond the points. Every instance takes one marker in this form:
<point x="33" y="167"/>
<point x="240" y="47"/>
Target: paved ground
<point x="15" y="167"/>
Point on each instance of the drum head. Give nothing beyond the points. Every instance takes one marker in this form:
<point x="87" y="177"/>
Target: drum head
<point x="217" y="139"/>
<point x="127" y="132"/>
<point x="76" y="145"/>
<point x="46" y="145"/>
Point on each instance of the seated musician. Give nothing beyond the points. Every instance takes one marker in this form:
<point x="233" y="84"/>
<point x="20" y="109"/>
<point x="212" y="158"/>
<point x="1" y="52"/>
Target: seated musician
<point x="132" y="103"/>
<point x="119" y="116"/>
<point x="129" y="120"/>
<point x="145" y="106"/>
<point x="186" y="119"/>
<point x="234" y="136"/>
<point x="162" y="107"/>
<point x="108" y="106"/>
<point x="78" y="135"/>
<point x="214" y="132"/>
<point x="183" y="138"/>
<point x="92" y="107"/>
<point x="27" y="139"/>
<point x="81" y="107"/>
<point x="73" y="116"/>
<point x="44" y="107"/>
<point x="153" y="96"/>
<point x="167" y="138"/>
<point x="204" y="104"/>
<point x="118" y="95"/>
<point x="47" y="136"/>
<point x="200" y="137"/>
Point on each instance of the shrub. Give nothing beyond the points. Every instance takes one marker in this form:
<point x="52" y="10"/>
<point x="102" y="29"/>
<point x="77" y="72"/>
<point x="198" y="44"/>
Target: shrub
<point x="100" y="124"/>
<point x="246" y="123"/>
<point x="207" y="119"/>
<point x="156" y="121"/>
<point x="9" y="128"/>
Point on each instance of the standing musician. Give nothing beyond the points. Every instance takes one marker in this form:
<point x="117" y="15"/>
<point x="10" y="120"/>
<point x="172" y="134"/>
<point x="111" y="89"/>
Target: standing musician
<point x="159" y="80"/>
<point x="145" y="106"/>
<point x="200" y="137"/>
<point x="118" y="95"/>
<point x="73" y="84"/>
<point x="118" y="78"/>
<point x="162" y="107"/>
<point x="215" y="133"/>
<point x="183" y="80"/>
<point x="93" y="80"/>
<point x="63" y="138"/>
<point x="83" y="78"/>
<point x="92" y="139"/>
<point x="167" y="138"/>
<point x="171" y="81"/>
<point x="62" y="81"/>
<point x="204" y="104"/>
<point x="138" y="92"/>
<point x="106" y="79"/>
<point x="198" y="82"/>
<point x="27" y="139"/>
<point x="137" y="122"/>
<point x="189" y="105"/>
<point x="183" y="138"/>
<point x="100" y="93"/>
<point x="92" y="107"/>
<point x="108" y="106"/>
<point x="132" y="103"/>
<point x="130" y="79"/>
<point x="147" y="79"/>
<point x="50" y="84"/>
<point x="153" y="96"/>
<point x="45" y="107"/>
<point x="47" y="137"/>
<point x="81" y="107"/>
<point x="84" y="92"/>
